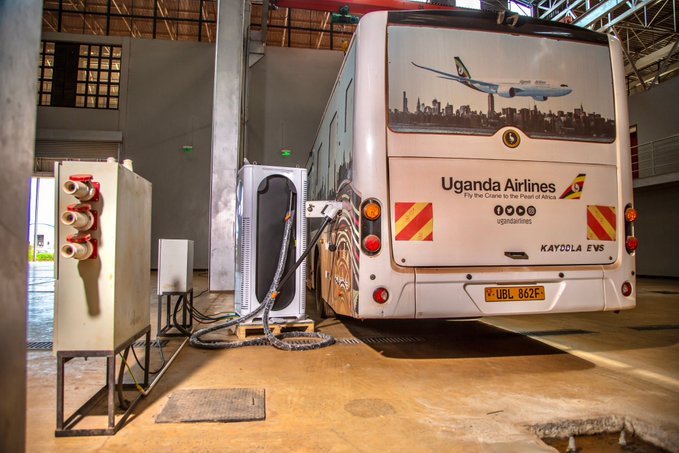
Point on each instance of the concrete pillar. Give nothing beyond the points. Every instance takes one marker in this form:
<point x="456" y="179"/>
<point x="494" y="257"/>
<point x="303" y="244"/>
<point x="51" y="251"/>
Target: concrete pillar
<point x="233" y="19"/>
<point x="19" y="49"/>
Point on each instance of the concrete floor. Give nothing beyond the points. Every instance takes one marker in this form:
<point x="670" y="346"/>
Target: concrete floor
<point x="450" y="386"/>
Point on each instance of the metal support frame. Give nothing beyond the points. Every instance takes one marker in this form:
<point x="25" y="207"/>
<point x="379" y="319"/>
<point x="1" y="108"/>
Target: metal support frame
<point x="164" y="330"/>
<point x="66" y="428"/>
<point x="228" y="132"/>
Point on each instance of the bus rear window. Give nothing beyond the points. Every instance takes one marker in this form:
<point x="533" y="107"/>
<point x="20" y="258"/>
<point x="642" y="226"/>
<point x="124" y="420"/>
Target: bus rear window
<point x="451" y="81"/>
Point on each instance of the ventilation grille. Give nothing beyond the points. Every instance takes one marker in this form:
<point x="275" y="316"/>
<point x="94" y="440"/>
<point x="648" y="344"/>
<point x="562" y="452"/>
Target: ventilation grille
<point x="47" y="152"/>
<point x="302" y="268"/>
<point x="246" y="250"/>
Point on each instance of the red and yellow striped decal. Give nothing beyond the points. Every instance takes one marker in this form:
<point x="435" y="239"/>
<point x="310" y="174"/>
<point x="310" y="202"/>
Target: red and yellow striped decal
<point x="414" y="221"/>
<point x="601" y="223"/>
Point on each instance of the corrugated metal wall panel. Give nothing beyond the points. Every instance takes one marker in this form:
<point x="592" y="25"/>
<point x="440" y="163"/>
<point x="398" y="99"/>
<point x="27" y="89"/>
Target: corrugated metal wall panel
<point x="47" y="152"/>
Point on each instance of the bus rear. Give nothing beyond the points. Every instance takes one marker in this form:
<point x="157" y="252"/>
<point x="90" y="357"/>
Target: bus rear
<point x="507" y="171"/>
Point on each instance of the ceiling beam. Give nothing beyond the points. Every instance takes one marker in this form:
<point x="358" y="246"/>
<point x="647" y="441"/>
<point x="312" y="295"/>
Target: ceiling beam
<point x="670" y="69"/>
<point x="570" y="8"/>
<point x="664" y="64"/>
<point x="651" y="58"/>
<point x="597" y="13"/>
<point x="634" y="67"/>
<point x="623" y="16"/>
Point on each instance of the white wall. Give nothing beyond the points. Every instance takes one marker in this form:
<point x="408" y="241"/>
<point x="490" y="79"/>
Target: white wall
<point x="288" y="91"/>
<point x="165" y="102"/>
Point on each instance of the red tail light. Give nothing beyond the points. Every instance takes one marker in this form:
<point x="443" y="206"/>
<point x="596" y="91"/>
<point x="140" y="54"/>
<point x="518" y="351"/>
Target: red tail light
<point x="631" y="243"/>
<point x="372" y="243"/>
<point x="380" y="295"/>
<point x="626" y="289"/>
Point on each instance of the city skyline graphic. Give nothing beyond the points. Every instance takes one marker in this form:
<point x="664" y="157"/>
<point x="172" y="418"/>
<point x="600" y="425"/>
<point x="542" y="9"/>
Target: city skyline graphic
<point x="427" y="101"/>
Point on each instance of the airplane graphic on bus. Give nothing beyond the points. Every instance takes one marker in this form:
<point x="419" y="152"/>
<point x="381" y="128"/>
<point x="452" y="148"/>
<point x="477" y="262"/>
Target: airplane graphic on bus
<point x="540" y="90"/>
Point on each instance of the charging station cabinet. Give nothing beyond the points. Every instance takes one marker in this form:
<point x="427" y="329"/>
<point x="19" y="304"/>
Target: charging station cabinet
<point x="263" y="196"/>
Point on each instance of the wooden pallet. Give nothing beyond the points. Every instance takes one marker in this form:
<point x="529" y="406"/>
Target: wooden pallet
<point x="243" y="331"/>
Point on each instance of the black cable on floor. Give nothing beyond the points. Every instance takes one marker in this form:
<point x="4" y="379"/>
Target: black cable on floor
<point x="276" y="284"/>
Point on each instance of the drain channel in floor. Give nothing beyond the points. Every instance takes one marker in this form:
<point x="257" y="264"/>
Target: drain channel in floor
<point x="47" y="345"/>
<point x="656" y="327"/>
<point x="547" y="333"/>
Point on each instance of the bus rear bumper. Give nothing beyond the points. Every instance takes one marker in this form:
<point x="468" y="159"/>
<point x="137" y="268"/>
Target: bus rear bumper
<point x="594" y="291"/>
<point x="436" y="299"/>
<point x="444" y="295"/>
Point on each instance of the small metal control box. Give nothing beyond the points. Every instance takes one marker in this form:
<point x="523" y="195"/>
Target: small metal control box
<point x="175" y="266"/>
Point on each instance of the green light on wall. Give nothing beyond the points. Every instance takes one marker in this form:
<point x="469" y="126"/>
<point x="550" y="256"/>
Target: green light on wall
<point x="187" y="148"/>
<point x="286" y="153"/>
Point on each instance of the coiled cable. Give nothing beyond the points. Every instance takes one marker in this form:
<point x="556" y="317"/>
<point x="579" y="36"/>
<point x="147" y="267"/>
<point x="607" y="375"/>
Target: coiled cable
<point x="265" y="307"/>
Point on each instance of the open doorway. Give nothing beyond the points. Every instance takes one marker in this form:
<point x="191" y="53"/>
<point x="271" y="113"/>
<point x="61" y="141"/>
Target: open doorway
<point x="41" y="249"/>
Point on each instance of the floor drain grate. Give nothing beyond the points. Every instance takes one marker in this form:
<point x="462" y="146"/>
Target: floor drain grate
<point x="349" y="341"/>
<point x="39" y="345"/>
<point x="547" y="333"/>
<point x="391" y="340"/>
<point x="656" y="327"/>
<point x="47" y="345"/>
<point x="355" y="341"/>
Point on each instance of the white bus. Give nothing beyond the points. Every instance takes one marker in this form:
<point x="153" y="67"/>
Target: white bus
<point x="484" y="169"/>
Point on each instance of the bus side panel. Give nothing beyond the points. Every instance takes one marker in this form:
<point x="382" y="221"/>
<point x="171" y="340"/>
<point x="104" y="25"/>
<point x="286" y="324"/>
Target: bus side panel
<point x="332" y="155"/>
<point x="371" y="175"/>
<point x="625" y="268"/>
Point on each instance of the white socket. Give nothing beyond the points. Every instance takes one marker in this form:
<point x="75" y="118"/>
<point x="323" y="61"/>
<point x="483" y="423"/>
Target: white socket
<point x="79" y="220"/>
<point x="77" y="250"/>
<point x="80" y="190"/>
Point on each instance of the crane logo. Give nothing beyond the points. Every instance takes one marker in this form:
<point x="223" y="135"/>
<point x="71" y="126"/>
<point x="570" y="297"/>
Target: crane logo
<point x="574" y="191"/>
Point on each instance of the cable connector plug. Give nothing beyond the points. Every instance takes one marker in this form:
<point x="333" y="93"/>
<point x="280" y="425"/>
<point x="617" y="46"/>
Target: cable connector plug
<point x="321" y="209"/>
<point x="331" y="210"/>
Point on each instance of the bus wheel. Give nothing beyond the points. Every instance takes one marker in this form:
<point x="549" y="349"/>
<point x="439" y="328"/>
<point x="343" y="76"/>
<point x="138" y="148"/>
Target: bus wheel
<point x="322" y="308"/>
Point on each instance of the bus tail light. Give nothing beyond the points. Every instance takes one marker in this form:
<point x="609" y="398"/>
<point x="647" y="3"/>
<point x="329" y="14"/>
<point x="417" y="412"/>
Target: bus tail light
<point x="626" y="289"/>
<point x="631" y="242"/>
<point x="371" y="230"/>
<point x="380" y="295"/>
<point x="372" y="210"/>
<point x="372" y="243"/>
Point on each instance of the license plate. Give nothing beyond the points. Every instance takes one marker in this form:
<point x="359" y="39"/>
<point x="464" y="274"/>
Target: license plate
<point x="515" y="293"/>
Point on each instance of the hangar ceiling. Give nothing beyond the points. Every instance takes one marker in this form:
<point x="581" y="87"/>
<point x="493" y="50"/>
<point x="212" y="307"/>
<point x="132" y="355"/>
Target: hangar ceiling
<point x="646" y="28"/>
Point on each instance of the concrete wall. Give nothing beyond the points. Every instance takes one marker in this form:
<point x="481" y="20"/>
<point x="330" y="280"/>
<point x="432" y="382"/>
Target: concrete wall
<point x="657" y="229"/>
<point x="170" y="105"/>
<point x="19" y="43"/>
<point x="655" y="111"/>
<point x="288" y="90"/>
<point x="165" y="102"/>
